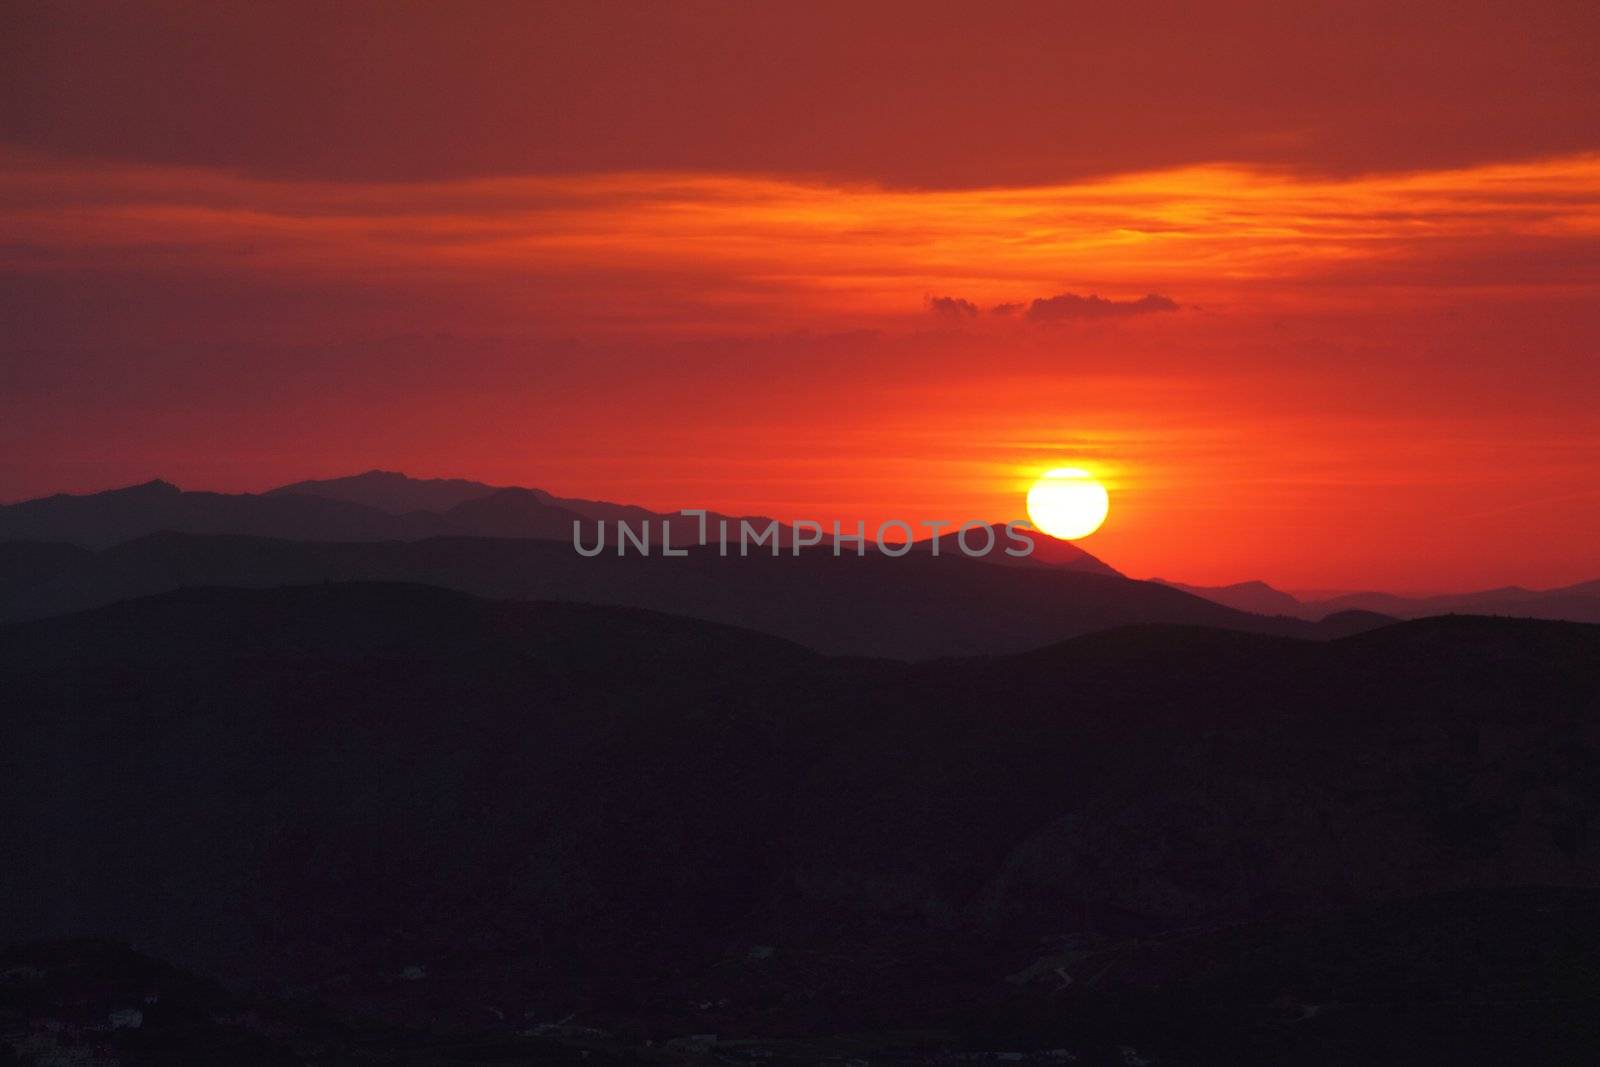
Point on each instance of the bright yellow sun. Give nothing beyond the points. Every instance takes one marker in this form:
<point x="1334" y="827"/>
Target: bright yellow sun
<point x="1068" y="503"/>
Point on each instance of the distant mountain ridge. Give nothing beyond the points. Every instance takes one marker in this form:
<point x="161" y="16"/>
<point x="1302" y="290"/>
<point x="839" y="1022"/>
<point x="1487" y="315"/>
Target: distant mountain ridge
<point x="912" y="607"/>
<point x="381" y="505"/>
<point x="1255" y="596"/>
<point x="1572" y="603"/>
<point x="1047" y="551"/>
<point x="397" y="493"/>
<point x="99" y="520"/>
<point x="496" y="510"/>
<point x="391" y="491"/>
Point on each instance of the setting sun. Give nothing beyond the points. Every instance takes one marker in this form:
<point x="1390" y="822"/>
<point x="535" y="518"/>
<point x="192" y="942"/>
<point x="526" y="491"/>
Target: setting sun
<point x="1068" y="503"/>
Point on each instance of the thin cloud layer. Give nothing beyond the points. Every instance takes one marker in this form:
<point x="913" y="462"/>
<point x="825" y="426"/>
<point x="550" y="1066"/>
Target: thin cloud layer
<point x="952" y="307"/>
<point x="1093" y="306"/>
<point x="716" y="253"/>
<point x="905" y="93"/>
<point x="1055" y="308"/>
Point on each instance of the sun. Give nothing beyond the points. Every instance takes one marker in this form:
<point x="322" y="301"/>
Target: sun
<point x="1068" y="503"/>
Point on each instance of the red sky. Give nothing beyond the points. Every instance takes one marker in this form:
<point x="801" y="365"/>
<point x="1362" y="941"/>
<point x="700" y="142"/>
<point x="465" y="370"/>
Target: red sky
<point x="746" y="257"/>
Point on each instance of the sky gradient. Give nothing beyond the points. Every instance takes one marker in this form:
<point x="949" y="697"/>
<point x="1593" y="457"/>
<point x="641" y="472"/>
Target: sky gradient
<point x="1314" y="293"/>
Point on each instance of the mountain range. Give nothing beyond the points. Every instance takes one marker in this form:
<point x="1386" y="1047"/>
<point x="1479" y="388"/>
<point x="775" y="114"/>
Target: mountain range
<point x="913" y="607"/>
<point x="65" y="553"/>
<point x="1574" y="603"/>
<point x="381" y="770"/>
<point x="389" y="506"/>
<point x="607" y="829"/>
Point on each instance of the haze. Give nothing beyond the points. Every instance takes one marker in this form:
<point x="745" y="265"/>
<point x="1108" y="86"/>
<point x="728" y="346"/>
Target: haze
<point x="1319" y="305"/>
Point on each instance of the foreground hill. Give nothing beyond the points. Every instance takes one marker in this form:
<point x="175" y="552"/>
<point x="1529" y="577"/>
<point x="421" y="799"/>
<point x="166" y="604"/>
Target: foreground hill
<point x="913" y="607"/>
<point x="421" y="806"/>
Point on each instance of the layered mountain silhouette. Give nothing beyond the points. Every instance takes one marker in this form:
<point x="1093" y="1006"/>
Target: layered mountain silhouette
<point x="1179" y="844"/>
<point x="99" y="520"/>
<point x="911" y="607"/>
<point x="1258" y="597"/>
<point x="1575" y="603"/>
<point x="387" y="505"/>
<point x="514" y="513"/>
<point x="1579" y="602"/>
<point x="997" y="543"/>
<point x="476" y="509"/>
<point x="391" y="491"/>
<point x="66" y="553"/>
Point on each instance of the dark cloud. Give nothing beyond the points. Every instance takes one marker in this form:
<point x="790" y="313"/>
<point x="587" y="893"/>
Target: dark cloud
<point x="1073" y="306"/>
<point x="952" y="307"/>
<point x="353" y="90"/>
<point x="1005" y="309"/>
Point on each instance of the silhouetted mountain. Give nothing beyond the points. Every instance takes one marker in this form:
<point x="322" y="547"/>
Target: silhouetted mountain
<point x="514" y="513"/>
<point x="1348" y="623"/>
<point x="1258" y="597"/>
<point x="391" y="491"/>
<point x="389" y="506"/>
<point x="515" y="510"/>
<point x="465" y="505"/>
<point x="1047" y="551"/>
<point x="1202" y="846"/>
<point x="366" y="507"/>
<point x="910" y="607"/>
<point x="23" y="563"/>
<point x="101" y="519"/>
<point x="1575" y="603"/>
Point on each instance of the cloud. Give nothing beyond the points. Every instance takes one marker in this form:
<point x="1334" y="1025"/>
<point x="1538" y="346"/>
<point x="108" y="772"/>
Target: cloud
<point x="709" y="254"/>
<point x="1073" y="306"/>
<point x="1054" y="308"/>
<point x="236" y="87"/>
<point x="952" y="307"/>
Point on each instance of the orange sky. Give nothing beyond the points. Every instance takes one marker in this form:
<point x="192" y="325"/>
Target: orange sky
<point x="1372" y="360"/>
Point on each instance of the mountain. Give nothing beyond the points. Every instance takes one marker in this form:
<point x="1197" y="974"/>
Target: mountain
<point x="368" y="507"/>
<point x="1576" y="603"/>
<point x="26" y="563"/>
<point x="100" y="519"/>
<point x="686" y="530"/>
<point x="389" y="506"/>
<point x="1573" y="603"/>
<point x="1258" y="597"/>
<point x="487" y="511"/>
<point x="1047" y="551"/>
<point x="911" y="607"/>
<point x="514" y="513"/>
<point x="377" y="505"/>
<point x="391" y="491"/>
<point x="478" y="823"/>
